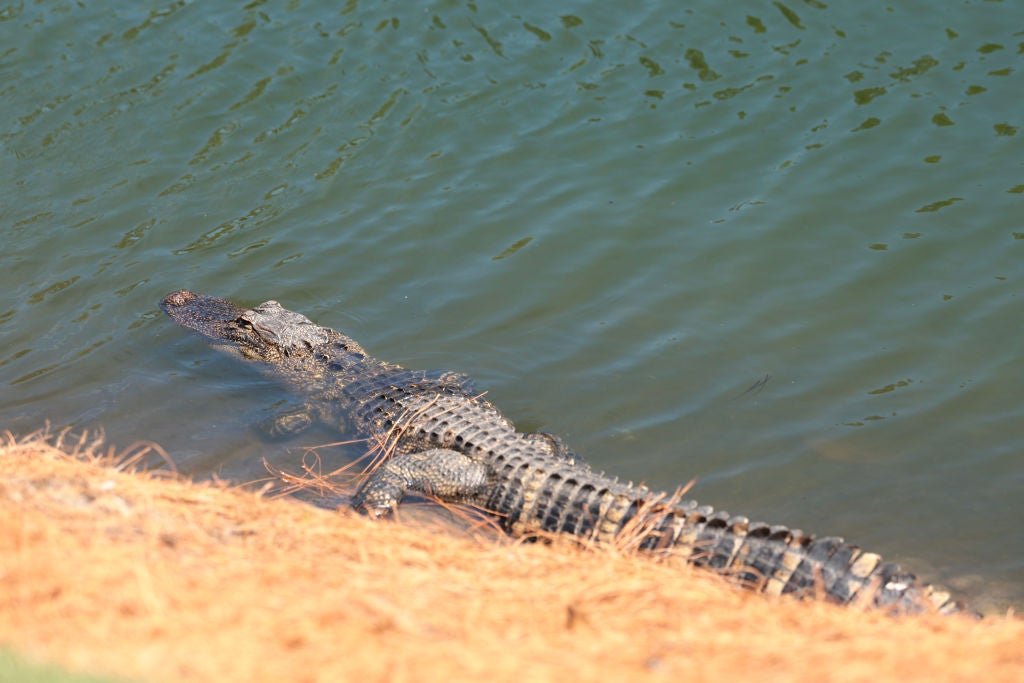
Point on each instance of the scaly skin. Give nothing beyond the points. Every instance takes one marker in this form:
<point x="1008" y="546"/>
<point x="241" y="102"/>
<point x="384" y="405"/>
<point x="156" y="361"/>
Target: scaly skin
<point x="444" y="440"/>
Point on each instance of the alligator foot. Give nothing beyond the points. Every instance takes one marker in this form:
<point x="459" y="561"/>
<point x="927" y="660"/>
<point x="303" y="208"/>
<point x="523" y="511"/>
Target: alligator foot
<point x="447" y="474"/>
<point x="291" y="421"/>
<point x="559" y="449"/>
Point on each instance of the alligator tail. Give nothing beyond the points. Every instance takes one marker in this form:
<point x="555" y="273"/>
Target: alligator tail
<point x="777" y="560"/>
<point x="774" y="560"/>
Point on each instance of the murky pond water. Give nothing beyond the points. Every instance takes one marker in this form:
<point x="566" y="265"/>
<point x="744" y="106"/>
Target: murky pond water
<point x="776" y="247"/>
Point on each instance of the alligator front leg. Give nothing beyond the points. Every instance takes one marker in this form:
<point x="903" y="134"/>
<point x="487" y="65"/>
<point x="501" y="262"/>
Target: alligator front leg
<point x="440" y="472"/>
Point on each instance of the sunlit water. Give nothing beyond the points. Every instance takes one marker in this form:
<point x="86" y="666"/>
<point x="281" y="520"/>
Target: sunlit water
<point x="773" y="247"/>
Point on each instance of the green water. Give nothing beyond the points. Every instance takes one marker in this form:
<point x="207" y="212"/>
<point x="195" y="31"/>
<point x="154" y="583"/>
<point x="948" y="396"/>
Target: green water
<point x="617" y="219"/>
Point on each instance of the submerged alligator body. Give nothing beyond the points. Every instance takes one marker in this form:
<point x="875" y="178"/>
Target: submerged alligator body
<point x="446" y="441"/>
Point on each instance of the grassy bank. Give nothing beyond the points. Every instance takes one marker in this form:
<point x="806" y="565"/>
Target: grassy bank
<point x="15" y="669"/>
<point x="144" y="576"/>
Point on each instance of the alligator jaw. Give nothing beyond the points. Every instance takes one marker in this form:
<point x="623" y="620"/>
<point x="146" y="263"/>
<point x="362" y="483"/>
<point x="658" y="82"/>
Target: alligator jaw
<point x="267" y="332"/>
<point x="207" y="315"/>
<point x="223" y="322"/>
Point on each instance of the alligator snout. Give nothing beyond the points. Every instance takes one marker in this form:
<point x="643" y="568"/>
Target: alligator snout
<point x="179" y="298"/>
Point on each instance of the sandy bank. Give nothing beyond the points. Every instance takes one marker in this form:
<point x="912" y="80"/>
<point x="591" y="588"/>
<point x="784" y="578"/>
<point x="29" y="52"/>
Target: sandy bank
<point x="148" y="576"/>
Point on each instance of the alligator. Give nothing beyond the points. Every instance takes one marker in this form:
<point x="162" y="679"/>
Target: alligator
<point x="444" y="440"/>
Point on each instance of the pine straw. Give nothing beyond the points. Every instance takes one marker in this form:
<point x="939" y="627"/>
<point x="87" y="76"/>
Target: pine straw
<point x="152" y="577"/>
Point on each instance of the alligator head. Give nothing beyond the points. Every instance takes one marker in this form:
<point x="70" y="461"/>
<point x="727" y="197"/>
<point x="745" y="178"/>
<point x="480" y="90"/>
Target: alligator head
<point x="268" y="332"/>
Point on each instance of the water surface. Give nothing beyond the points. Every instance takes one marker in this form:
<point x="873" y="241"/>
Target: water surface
<point x="773" y="247"/>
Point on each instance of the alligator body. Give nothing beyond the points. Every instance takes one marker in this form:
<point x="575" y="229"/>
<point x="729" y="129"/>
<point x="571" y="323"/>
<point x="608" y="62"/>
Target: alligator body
<point x="444" y="440"/>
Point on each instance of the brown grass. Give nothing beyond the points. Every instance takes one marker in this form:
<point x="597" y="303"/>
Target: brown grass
<point x="110" y="571"/>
